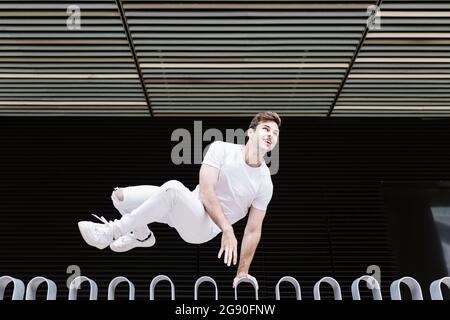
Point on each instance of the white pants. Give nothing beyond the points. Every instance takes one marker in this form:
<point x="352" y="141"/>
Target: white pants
<point x="171" y="203"/>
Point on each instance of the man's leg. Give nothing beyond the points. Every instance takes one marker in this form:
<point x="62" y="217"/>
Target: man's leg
<point x="185" y="213"/>
<point x="190" y="219"/>
<point x="153" y="209"/>
<point x="127" y="199"/>
<point x="172" y="203"/>
<point x="177" y="206"/>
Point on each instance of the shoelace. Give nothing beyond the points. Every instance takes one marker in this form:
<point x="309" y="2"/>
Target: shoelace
<point x="110" y="223"/>
<point x="102" y="219"/>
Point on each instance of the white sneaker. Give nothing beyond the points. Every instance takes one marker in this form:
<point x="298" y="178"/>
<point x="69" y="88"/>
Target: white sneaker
<point x="129" y="241"/>
<point x="96" y="234"/>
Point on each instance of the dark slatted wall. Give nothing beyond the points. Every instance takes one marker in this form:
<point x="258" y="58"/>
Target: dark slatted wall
<point x="326" y="217"/>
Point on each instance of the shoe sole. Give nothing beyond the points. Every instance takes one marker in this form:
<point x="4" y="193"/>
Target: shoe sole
<point x="147" y="244"/>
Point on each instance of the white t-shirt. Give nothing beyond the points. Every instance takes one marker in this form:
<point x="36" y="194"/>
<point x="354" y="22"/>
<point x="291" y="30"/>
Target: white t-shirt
<point x="239" y="185"/>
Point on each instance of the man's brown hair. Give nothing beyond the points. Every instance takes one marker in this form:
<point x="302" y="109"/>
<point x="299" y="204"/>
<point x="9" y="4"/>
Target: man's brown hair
<point x="265" y="116"/>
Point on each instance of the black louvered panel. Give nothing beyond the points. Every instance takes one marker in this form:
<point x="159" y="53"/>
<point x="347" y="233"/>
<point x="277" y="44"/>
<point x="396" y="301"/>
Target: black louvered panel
<point x="326" y="217"/>
<point x="50" y="68"/>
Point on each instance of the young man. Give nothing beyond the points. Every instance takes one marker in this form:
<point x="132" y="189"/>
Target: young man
<point x="234" y="180"/>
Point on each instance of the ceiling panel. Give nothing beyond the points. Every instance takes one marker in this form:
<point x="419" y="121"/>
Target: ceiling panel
<point x="192" y="58"/>
<point x="50" y="68"/>
<point x="403" y="68"/>
<point x="237" y="57"/>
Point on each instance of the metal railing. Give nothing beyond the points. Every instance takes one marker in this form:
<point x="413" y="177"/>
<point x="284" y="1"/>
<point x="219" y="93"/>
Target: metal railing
<point x="20" y="292"/>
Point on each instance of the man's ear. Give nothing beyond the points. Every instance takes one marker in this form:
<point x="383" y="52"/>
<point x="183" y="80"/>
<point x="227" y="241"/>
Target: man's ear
<point x="250" y="132"/>
<point x="247" y="135"/>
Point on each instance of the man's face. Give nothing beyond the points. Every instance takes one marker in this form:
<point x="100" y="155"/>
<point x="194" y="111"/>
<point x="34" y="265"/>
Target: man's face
<point x="265" y="136"/>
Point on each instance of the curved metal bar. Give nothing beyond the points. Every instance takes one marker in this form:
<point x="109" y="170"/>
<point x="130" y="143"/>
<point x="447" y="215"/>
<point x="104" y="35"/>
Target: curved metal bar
<point x="75" y="285"/>
<point x="334" y="285"/>
<point x="34" y="284"/>
<point x="376" y="291"/>
<point x="19" y="287"/>
<point x="413" y="285"/>
<point x="155" y="282"/>
<point x="436" y="289"/>
<point x="298" y="291"/>
<point x="253" y="282"/>
<point x="116" y="281"/>
<point x="205" y="279"/>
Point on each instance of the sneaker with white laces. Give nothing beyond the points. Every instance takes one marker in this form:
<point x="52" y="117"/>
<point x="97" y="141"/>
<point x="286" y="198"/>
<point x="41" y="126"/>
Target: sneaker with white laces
<point x="130" y="241"/>
<point x="96" y="234"/>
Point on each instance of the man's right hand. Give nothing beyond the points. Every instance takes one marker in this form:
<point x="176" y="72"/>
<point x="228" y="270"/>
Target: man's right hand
<point x="229" y="247"/>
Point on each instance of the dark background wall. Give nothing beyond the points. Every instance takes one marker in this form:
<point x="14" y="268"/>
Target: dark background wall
<point x="421" y="238"/>
<point x="326" y="218"/>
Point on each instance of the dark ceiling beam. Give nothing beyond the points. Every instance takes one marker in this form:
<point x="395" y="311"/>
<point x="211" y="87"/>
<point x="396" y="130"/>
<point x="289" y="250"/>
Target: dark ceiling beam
<point x="349" y="69"/>
<point x="133" y="52"/>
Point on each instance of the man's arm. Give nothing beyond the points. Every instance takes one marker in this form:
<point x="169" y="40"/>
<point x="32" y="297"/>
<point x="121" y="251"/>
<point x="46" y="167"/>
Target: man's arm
<point x="208" y="179"/>
<point x="207" y="184"/>
<point x="250" y="241"/>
